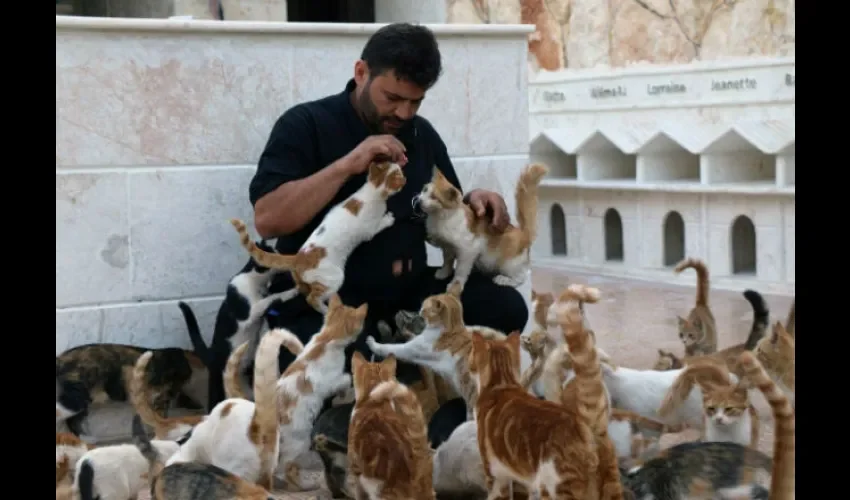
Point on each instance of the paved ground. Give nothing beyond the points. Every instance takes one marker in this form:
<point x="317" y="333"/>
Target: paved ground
<point x="635" y="319"/>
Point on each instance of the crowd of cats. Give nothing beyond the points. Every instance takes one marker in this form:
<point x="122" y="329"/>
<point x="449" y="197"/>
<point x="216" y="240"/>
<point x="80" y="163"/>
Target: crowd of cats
<point x="488" y="414"/>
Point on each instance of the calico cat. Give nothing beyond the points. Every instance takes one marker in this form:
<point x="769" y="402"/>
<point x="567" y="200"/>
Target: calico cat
<point x="69" y="450"/>
<point x="782" y="484"/>
<point x="776" y="353"/>
<point x="791" y="322"/>
<point x="238" y="435"/>
<point x="318" y="267"/>
<point x="546" y="447"/>
<point x="314" y="376"/>
<point x="330" y="440"/>
<point x="191" y="480"/>
<point x="698" y="331"/>
<point x="240" y="319"/>
<point x="388" y="452"/>
<point x="443" y="346"/>
<point x="467" y="239"/>
<point x="729" y="415"/>
<point x="97" y="373"/>
<point x="141" y="395"/>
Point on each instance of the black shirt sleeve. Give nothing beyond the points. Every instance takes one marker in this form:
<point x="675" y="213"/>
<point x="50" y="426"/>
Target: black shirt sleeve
<point x="290" y="153"/>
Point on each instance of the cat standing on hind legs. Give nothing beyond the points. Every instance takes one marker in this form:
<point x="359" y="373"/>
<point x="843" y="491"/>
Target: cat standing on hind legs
<point x="698" y="331"/>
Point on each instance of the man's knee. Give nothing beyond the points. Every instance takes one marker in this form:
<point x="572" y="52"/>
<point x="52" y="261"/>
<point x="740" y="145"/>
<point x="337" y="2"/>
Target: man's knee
<point x="500" y="307"/>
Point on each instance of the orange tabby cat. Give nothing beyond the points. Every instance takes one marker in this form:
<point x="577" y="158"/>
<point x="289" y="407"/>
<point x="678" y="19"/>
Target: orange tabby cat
<point x="782" y="482"/>
<point x="546" y="447"/>
<point x="698" y="331"/>
<point x="165" y="428"/>
<point x="728" y="414"/>
<point x="776" y="353"/>
<point x="388" y="452"/>
<point x="791" y="322"/>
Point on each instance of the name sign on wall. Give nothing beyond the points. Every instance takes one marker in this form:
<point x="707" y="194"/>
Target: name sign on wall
<point x="697" y="84"/>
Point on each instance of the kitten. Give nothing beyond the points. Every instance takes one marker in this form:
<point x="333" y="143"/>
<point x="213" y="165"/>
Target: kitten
<point x="314" y="376"/>
<point x="238" y="435"/>
<point x="318" y="267"/>
<point x="458" y="470"/>
<point x="388" y="452"/>
<point x="240" y="319"/>
<point x="443" y="346"/>
<point x="447" y="418"/>
<point x="97" y="373"/>
<point x="776" y="353"/>
<point x="729" y="416"/>
<point x="791" y="322"/>
<point x="698" y="331"/>
<point x="700" y="470"/>
<point x="469" y="240"/>
<point x="141" y="395"/>
<point x="330" y="440"/>
<point x="782" y="483"/>
<point x="190" y="480"/>
<point x="117" y="472"/>
<point x="546" y="447"/>
<point x="69" y="450"/>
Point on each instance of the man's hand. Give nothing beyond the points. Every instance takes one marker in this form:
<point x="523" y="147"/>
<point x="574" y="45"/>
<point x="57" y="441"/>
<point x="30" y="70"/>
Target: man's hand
<point x="482" y="201"/>
<point x="374" y="147"/>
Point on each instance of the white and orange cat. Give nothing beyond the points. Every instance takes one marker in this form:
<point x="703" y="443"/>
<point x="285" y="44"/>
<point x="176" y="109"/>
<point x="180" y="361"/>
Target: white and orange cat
<point x="241" y="436"/>
<point x="470" y="241"/>
<point x="729" y="415"/>
<point x="777" y="354"/>
<point x="444" y="344"/>
<point x="318" y="268"/>
<point x="314" y="376"/>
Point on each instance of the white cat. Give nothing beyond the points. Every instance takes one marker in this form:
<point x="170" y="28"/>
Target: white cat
<point x="468" y="239"/>
<point x="314" y="376"/>
<point x="318" y="267"/>
<point x="458" y="469"/>
<point x="240" y="436"/>
<point x="118" y="472"/>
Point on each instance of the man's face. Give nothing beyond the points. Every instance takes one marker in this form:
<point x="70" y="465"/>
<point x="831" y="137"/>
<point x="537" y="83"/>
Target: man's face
<point x="386" y="102"/>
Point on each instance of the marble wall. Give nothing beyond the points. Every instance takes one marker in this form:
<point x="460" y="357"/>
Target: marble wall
<point x="589" y="33"/>
<point x="159" y="125"/>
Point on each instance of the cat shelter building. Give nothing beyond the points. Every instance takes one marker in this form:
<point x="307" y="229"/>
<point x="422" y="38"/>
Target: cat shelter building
<point x="651" y="164"/>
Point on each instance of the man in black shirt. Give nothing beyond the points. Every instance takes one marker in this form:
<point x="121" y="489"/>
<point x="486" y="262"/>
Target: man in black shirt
<point x="317" y="156"/>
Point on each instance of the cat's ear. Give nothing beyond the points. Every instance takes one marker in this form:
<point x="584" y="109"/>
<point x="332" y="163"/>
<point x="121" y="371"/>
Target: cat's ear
<point x="682" y="321"/>
<point x="780" y="329"/>
<point x="533" y="295"/>
<point x="477" y="340"/>
<point x="357" y="361"/>
<point x="436" y="174"/>
<point x="513" y="341"/>
<point x="334" y="303"/>
<point x="390" y="364"/>
<point x="662" y="352"/>
<point x="362" y="311"/>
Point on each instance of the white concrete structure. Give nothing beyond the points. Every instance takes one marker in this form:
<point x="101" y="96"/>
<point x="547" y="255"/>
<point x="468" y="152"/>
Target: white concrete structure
<point x="651" y="164"/>
<point x="159" y="124"/>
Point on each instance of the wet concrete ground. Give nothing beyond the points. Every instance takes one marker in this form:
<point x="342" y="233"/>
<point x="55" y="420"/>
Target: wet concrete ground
<point x="634" y="319"/>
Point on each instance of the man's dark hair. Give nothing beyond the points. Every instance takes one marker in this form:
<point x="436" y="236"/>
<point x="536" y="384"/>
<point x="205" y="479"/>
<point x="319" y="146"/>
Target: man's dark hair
<point x="408" y="49"/>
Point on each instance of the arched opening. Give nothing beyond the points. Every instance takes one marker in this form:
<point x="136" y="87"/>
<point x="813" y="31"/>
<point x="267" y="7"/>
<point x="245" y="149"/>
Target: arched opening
<point x="743" y="246"/>
<point x="674" y="238"/>
<point x="558" y="230"/>
<point x="613" y="236"/>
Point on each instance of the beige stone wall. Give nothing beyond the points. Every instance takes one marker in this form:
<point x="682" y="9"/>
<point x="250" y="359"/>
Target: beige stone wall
<point x="588" y="33"/>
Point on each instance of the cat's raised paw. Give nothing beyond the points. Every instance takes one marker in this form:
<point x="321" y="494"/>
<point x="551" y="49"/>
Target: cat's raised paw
<point x="371" y="343"/>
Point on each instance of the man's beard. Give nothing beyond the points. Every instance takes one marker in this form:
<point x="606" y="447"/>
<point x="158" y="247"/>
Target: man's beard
<point x="369" y="113"/>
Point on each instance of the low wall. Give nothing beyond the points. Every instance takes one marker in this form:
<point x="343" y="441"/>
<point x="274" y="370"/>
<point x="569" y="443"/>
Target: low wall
<point x="159" y="124"/>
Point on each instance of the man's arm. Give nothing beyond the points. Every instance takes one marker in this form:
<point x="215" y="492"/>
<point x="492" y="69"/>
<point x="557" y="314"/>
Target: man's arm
<point x="289" y="188"/>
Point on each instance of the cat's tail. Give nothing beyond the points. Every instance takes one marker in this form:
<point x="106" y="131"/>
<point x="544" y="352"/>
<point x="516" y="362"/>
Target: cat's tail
<point x="266" y="259"/>
<point x="761" y="318"/>
<point x="638" y="422"/>
<point x="592" y="400"/>
<point x="232" y="376"/>
<point x="702" y="278"/>
<point x="527" y="199"/>
<point x="407" y="405"/>
<point x="784" y="447"/>
<point x="553" y="373"/>
<point x="791" y="322"/>
<point x="141" y="396"/>
<point x="705" y="373"/>
<point x="265" y="392"/>
<point x="84" y="482"/>
<point x="143" y="443"/>
<point x="195" y="336"/>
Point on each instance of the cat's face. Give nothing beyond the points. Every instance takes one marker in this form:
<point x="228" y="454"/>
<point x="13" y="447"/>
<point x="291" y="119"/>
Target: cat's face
<point x="534" y="342"/>
<point x="725" y="405"/>
<point x="777" y="348"/>
<point x="388" y="177"/>
<point x="367" y="376"/>
<point x="689" y="333"/>
<point x="494" y="359"/>
<point x="442" y="311"/>
<point x="439" y="194"/>
<point x="667" y="361"/>
<point x="344" y="323"/>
